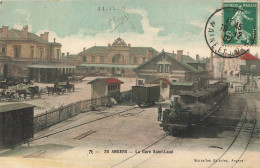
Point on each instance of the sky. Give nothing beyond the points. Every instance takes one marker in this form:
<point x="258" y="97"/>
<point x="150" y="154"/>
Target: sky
<point x="162" y="24"/>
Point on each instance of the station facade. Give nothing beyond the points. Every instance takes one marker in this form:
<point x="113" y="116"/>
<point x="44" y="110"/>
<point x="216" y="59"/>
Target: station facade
<point x="118" y="59"/>
<point x="20" y="48"/>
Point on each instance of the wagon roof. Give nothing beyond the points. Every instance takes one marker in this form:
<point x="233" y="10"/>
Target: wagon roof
<point x="205" y="92"/>
<point x="15" y="106"/>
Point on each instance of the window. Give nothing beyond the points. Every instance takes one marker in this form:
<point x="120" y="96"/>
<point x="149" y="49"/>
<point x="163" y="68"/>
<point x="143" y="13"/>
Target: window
<point x="160" y="68"/>
<point x="113" y="87"/>
<point x="101" y="59"/>
<point x="47" y="54"/>
<point x="167" y="68"/>
<point x="3" y="50"/>
<point x="135" y="60"/>
<point x="58" y="53"/>
<point x="41" y="52"/>
<point x="93" y="58"/>
<point x="17" y="51"/>
<point x="84" y="58"/>
<point x="31" y="51"/>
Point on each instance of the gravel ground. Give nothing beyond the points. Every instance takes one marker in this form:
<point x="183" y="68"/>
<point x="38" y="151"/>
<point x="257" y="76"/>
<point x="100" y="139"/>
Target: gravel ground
<point x="82" y="92"/>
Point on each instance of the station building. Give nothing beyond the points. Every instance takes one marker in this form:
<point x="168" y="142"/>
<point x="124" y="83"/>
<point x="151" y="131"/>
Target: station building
<point x="20" y="48"/>
<point x="26" y="55"/>
<point x="118" y="59"/>
<point x="175" y="67"/>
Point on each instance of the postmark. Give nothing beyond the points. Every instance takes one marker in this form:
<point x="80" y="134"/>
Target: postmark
<point x="233" y="29"/>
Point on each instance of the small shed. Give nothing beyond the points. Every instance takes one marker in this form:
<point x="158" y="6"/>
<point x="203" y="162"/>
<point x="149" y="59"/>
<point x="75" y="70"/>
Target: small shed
<point x="101" y="87"/>
<point x="16" y="123"/>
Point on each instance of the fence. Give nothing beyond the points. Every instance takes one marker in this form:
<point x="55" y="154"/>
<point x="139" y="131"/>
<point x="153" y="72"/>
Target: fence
<point x="62" y="113"/>
<point x="246" y="89"/>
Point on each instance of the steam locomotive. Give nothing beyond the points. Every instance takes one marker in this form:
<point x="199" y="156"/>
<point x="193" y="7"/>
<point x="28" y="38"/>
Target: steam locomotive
<point x="192" y="107"/>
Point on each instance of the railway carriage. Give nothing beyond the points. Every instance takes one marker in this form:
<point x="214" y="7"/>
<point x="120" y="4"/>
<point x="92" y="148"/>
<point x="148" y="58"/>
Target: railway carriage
<point x="193" y="107"/>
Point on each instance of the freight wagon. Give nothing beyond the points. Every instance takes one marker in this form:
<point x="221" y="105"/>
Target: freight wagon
<point x="145" y="95"/>
<point x="16" y="123"/>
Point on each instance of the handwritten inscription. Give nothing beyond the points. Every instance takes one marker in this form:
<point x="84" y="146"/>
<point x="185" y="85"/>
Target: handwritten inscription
<point x="113" y="8"/>
<point x="118" y="21"/>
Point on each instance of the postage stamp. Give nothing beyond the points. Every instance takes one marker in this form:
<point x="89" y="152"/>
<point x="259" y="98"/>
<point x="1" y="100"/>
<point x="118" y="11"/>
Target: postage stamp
<point x="234" y="27"/>
<point x="240" y="20"/>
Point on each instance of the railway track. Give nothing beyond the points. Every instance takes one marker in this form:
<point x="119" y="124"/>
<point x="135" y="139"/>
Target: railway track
<point x="244" y="133"/>
<point x="147" y="147"/>
<point x="85" y="123"/>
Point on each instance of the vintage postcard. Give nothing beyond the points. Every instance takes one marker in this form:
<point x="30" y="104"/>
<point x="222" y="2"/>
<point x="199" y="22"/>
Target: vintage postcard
<point x="129" y="84"/>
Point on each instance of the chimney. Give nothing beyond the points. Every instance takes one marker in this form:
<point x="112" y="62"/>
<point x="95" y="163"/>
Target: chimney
<point x="211" y="61"/>
<point x="173" y="52"/>
<point x="84" y="48"/>
<point x="197" y="57"/>
<point x="179" y="55"/>
<point x="150" y="53"/>
<point x="5" y="31"/>
<point x="46" y="36"/>
<point x="129" y="45"/>
<point x="256" y="55"/>
<point x="68" y="53"/>
<point x="25" y="31"/>
<point x="54" y="40"/>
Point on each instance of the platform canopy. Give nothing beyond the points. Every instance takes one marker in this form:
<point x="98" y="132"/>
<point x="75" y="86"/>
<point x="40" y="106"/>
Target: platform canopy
<point x="49" y="66"/>
<point x="108" y="66"/>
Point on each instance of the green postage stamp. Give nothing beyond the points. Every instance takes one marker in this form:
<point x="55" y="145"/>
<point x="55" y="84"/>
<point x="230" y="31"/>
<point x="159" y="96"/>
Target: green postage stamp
<point x="240" y="23"/>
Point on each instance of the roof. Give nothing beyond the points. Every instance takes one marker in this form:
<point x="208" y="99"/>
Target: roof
<point x="248" y="56"/>
<point x="14" y="106"/>
<point x="183" y="63"/>
<point x="167" y="81"/>
<point x="108" y="66"/>
<point x="14" y="34"/>
<point x="107" y="81"/>
<point x="141" y="50"/>
<point x="103" y="50"/>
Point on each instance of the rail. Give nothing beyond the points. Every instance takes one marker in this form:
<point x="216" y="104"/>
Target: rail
<point x="52" y="117"/>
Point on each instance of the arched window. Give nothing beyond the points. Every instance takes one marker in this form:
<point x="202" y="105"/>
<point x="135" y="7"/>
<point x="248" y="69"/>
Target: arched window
<point x="118" y="59"/>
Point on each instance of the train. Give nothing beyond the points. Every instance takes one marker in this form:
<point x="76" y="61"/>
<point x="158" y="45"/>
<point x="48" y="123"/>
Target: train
<point x="192" y="107"/>
<point x="146" y="95"/>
